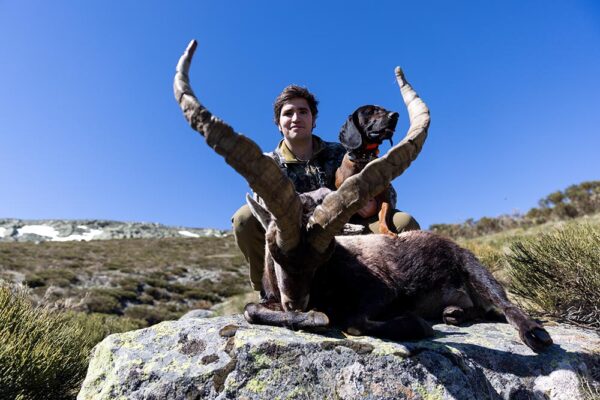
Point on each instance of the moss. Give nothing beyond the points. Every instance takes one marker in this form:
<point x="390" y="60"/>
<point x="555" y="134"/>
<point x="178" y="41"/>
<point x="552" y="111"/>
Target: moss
<point x="260" y="360"/>
<point x="255" y="385"/>
<point x="436" y="394"/>
<point x="297" y="392"/>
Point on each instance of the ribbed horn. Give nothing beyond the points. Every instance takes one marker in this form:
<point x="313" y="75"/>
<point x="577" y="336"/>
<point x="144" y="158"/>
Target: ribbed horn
<point x="261" y="172"/>
<point x="337" y="208"/>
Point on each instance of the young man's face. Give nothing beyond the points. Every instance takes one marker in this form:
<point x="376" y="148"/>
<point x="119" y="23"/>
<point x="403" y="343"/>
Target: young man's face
<point x="295" y="119"/>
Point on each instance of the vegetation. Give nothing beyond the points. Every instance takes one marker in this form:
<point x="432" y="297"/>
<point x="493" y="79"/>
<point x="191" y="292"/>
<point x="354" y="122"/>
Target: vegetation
<point x="575" y="201"/>
<point x="44" y="352"/>
<point x="149" y="280"/>
<point x="79" y="292"/>
<point x="559" y="272"/>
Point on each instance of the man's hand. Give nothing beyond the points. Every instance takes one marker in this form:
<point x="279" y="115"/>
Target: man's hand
<point x="369" y="210"/>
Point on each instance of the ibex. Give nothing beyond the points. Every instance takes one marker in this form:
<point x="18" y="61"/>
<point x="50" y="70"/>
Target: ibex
<point x="370" y="284"/>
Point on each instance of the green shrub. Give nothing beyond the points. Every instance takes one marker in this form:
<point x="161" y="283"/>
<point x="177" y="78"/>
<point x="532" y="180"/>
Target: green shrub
<point x="44" y="353"/>
<point x="103" y="303"/>
<point x="559" y="272"/>
<point x="152" y="314"/>
<point x="110" y="300"/>
<point x="51" y="276"/>
<point x="34" y="280"/>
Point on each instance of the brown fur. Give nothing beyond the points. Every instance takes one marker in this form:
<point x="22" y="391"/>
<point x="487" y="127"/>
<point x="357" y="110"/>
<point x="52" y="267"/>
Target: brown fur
<point x="383" y="286"/>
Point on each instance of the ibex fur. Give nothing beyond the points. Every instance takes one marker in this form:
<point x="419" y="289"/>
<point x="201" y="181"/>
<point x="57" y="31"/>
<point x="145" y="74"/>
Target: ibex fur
<point x="371" y="284"/>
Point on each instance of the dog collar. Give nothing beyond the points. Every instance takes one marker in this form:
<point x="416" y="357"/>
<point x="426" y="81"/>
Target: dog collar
<point x="358" y="156"/>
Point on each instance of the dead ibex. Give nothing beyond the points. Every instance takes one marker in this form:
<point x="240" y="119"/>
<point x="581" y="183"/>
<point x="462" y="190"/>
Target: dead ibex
<point x="373" y="284"/>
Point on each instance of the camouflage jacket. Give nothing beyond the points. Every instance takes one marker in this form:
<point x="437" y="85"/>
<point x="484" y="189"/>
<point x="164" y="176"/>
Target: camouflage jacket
<point x="315" y="173"/>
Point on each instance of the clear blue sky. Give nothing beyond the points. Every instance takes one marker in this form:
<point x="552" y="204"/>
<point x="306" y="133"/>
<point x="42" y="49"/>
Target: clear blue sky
<point x="89" y="127"/>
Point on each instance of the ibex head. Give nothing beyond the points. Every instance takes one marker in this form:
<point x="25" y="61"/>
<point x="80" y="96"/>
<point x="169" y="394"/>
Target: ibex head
<point x="291" y="271"/>
<point x="301" y="229"/>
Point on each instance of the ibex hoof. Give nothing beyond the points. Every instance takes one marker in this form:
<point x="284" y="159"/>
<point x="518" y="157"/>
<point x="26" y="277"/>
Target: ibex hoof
<point x="453" y="315"/>
<point x="538" y="339"/>
<point x="353" y="331"/>
<point x="318" y="319"/>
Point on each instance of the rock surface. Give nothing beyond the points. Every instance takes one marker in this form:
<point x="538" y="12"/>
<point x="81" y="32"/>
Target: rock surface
<point x="19" y="230"/>
<point x="226" y="358"/>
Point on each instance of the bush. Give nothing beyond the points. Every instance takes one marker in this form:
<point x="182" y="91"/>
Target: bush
<point x="151" y="315"/>
<point x="42" y="356"/>
<point x="559" y="273"/>
<point x="44" y="353"/>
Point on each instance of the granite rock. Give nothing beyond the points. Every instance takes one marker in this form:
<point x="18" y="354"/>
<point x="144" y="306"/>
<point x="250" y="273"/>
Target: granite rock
<point x="227" y="358"/>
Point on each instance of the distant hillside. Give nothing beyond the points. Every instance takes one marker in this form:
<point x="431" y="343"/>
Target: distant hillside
<point x="147" y="280"/>
<point x="574" y="202"/>
<point x="19" y="230"/>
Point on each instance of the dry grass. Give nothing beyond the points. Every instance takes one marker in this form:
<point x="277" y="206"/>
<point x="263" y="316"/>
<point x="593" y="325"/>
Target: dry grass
<point x="150" y="280"/>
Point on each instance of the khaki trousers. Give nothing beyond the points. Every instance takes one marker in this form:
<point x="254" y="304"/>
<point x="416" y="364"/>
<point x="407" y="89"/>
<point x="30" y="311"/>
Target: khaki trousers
<point x="250" y="236"/>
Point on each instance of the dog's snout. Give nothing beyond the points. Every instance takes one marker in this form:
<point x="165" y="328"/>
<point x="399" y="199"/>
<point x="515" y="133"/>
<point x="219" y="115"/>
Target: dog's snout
<point x="393" y="115"/>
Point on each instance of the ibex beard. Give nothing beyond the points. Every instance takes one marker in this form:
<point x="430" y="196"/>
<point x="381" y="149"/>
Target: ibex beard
<point x="372" y="284"/>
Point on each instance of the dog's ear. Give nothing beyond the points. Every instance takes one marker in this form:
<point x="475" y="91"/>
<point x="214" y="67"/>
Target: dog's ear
<point x="350" y="136"/>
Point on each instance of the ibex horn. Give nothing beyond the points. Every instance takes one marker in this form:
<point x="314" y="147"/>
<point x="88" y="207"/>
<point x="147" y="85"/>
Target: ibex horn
<point x="337" y="208"/>
<point x="260" y="171"/>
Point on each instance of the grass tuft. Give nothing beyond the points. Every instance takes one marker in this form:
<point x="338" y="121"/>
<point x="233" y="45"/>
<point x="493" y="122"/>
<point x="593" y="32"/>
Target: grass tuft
<point x="44" y="352"/>
<point x="559" y="272"/>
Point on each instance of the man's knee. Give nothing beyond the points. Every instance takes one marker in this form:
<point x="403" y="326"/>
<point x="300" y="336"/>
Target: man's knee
<point x="404" y="222"/>
<point x="250" y="238"/>
<point x="244" y="223"/>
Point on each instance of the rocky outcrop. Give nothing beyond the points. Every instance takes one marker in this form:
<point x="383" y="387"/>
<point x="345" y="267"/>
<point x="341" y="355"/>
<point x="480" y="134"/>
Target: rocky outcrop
<point x="226" y="358"/>
<point x="18" y="230"/>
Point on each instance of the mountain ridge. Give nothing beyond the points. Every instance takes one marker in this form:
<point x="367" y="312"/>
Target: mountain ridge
<point x="60" y="230"/>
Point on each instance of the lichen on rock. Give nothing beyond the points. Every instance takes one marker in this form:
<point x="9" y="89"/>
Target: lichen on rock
<point x="226" y="358"/>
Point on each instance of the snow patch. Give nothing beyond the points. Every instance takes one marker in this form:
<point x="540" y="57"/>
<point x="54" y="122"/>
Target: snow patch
<point x="41" y="230"/>
<point x="53" y="234"/>
<point x="189" y="234"/>
<point x="91" y="235"/>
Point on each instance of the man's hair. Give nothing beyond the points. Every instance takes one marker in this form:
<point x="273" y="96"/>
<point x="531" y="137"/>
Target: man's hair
<point x="295" y="91"/>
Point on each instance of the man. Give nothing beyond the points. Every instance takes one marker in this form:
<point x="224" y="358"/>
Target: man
<point x="311" y="164"/>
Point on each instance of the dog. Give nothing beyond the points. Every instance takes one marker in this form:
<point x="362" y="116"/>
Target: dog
<point x="361" y="135"/>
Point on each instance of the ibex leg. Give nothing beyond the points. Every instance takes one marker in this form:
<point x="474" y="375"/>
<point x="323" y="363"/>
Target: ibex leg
<point x="265" y="315"/>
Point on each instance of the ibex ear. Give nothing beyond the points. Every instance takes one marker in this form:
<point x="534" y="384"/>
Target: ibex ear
<point x="350" y="136"/>
<point x="259" y="211"/>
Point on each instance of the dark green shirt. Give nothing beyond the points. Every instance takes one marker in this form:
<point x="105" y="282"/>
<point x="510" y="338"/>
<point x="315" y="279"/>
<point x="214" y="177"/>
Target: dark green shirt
<point x="315" y="173"/>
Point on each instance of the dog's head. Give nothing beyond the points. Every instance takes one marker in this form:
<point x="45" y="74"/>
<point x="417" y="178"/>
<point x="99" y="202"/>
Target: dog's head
<point x="365" y="129"/>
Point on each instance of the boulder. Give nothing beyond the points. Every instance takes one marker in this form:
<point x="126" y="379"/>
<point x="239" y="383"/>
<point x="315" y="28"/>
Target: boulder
<point x="227" y="358"/>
